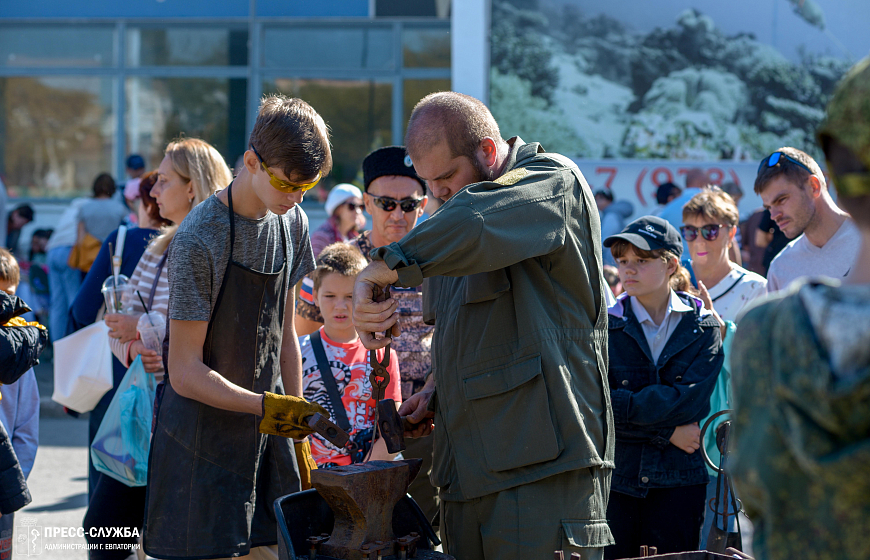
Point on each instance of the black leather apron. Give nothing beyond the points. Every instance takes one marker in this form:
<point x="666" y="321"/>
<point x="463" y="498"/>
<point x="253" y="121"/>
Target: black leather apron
<point x="212" y="477"/>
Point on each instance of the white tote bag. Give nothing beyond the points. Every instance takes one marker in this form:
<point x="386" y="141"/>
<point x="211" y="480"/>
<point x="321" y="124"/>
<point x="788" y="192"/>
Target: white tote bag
<point x="83" y="360"/>
<point x="83" y="368"/>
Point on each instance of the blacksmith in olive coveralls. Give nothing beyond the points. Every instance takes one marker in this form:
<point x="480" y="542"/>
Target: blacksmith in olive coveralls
<point x="523" y="428"/>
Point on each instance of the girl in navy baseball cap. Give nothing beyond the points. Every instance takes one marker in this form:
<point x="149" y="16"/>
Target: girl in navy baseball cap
<point x="665" y="355"/>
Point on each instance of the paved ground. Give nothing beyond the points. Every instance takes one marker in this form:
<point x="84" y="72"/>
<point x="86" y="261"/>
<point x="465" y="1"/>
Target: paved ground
<point x="58" y="484"/>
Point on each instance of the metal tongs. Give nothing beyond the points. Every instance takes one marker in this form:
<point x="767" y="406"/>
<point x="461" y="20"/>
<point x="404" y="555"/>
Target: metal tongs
<point x="379" y="368"/>
<point x="391" y="426"/>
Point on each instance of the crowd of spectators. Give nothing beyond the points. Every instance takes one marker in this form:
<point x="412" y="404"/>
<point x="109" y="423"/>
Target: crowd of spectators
<point x="680" y="283"/>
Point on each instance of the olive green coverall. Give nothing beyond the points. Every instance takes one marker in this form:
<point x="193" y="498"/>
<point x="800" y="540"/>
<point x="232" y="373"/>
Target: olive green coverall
<point x="523" y="429"/>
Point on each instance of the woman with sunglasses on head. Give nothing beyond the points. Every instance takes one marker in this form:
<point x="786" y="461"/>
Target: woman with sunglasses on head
<point x="344" y="207"/>
<point x="710" y="221"/>
<point x="664" y="357"/>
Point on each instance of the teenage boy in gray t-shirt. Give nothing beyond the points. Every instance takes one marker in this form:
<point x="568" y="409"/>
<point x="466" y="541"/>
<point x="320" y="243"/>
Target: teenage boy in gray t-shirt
<point x="220" y="452"/>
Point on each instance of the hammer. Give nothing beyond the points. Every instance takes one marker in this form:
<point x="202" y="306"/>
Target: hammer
<point x="328" y="429"/>
<point x="393" y="427"/>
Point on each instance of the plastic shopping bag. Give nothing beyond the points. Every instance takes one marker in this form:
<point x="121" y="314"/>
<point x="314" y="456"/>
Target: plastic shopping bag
<point x="120" y="448"/>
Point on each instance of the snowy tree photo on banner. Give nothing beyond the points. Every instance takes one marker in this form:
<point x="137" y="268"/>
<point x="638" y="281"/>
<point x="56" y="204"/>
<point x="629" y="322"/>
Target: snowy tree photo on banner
<point x="671" y="79"/>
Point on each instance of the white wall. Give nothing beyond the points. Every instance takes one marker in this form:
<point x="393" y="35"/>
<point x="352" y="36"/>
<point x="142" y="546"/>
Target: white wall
<point x="469" y="31"/>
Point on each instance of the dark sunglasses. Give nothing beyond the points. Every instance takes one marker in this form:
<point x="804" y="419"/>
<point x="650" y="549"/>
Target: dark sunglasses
<point x="388" y="204"/>
<point x="708" y="232"/>
<point x="774" y="158"/>
<point x="354" y="206"/>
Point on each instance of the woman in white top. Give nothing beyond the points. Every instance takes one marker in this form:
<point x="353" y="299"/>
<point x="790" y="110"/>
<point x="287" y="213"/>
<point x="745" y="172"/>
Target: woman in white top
<point x="191" y="171"/>
<point x="710" y="222"/>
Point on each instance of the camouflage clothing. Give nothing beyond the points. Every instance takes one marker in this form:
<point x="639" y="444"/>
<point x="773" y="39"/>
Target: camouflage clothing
<point x="802" y="425"/>
<point x="413" y="346"/>
<point x="848" y="115"/>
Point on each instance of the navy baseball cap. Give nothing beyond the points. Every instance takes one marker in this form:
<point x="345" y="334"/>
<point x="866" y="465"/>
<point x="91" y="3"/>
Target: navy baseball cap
<point x="135" y="161"/>
<point x="650" y="233"/>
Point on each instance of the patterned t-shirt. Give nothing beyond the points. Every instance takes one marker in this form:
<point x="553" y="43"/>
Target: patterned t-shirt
<point x="414" y="345"/>
<point x="351" y="369"/>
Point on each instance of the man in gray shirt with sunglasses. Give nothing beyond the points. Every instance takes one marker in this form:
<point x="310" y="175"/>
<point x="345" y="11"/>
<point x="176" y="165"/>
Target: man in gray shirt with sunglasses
<point x="792" y="186"/>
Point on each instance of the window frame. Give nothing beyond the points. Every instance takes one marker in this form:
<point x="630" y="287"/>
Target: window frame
<point x="255" y="72"/>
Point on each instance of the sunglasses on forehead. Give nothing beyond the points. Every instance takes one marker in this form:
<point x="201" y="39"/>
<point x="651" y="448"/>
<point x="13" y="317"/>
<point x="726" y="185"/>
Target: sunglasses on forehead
<point x="775" y="158"/>
<point x="708" y="232"/>
<point x="388" y="204"/>
<point x="282" y="185"/>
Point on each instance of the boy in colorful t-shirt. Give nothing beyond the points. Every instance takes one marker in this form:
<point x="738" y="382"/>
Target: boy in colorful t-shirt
<point x="348" y="359"/>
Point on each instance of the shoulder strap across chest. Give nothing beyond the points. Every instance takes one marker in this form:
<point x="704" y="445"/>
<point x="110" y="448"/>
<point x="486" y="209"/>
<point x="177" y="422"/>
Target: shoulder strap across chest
<point x="329" y="381"/>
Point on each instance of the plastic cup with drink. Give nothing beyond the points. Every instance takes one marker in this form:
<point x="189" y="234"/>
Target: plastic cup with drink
<point x="117" y="293"/>
<point x="152" y="330"/>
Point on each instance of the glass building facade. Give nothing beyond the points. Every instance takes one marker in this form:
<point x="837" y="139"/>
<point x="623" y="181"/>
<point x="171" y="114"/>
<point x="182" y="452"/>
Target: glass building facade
<point x="83" y="85"/>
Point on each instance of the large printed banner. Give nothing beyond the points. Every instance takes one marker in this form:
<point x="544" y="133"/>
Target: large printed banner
<point x="671" y="80"/>
<point x="637" y="180"/>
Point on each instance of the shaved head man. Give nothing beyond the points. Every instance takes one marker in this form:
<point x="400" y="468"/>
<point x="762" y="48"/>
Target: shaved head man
<point x="522" y="420"/>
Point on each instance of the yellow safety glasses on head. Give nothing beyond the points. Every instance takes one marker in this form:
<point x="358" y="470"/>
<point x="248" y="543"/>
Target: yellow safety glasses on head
<point x="285" y="186"/>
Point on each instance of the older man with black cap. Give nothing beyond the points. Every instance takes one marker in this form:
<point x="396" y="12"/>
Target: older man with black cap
<point x="394" y="197"/>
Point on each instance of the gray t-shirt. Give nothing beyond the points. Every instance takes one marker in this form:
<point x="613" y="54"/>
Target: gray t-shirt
<point x="199" y="253"/>
<point x="800" y="258"/>
<point x="102" y="216"/>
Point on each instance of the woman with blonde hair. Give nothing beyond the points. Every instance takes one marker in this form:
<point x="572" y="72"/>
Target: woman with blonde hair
<point x="191" y="171"/>
<point x="710" y="221"/>
<point x="192" y="168"/>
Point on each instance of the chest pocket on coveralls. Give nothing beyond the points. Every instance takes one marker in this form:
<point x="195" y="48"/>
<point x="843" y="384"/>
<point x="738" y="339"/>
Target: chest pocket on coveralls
<point x="485" y="286"/>
<point x="511" y="409"/>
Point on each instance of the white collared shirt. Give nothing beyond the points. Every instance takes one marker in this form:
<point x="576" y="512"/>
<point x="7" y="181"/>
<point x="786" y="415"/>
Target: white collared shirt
<point x="657" y="335"/>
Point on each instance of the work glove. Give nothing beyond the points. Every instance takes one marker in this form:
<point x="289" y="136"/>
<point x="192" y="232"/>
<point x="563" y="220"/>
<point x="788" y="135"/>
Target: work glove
<point x="284" y="415"/>
<point x="305" y="461"/>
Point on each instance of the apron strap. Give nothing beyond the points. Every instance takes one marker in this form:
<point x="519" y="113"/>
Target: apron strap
<point x="156" y="280"/>
<point x="286" y="275"/>
<point x="285" y="280"/>
<point x="329" y="381"/>
<point x="232" y="221"/>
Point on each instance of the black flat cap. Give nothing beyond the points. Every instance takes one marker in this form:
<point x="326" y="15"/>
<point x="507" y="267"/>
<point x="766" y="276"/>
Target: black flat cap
<point x="390" y="160"/>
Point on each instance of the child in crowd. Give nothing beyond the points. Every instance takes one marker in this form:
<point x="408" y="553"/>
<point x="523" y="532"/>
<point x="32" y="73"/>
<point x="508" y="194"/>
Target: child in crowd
<point x="665" y="355"/>
<point x="348" y="359"/>
<point x="611" y="276"/>
<point x="19" y="406"/>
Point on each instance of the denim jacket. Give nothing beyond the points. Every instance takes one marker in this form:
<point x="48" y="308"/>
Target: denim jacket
<point x="651" y="399"/>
